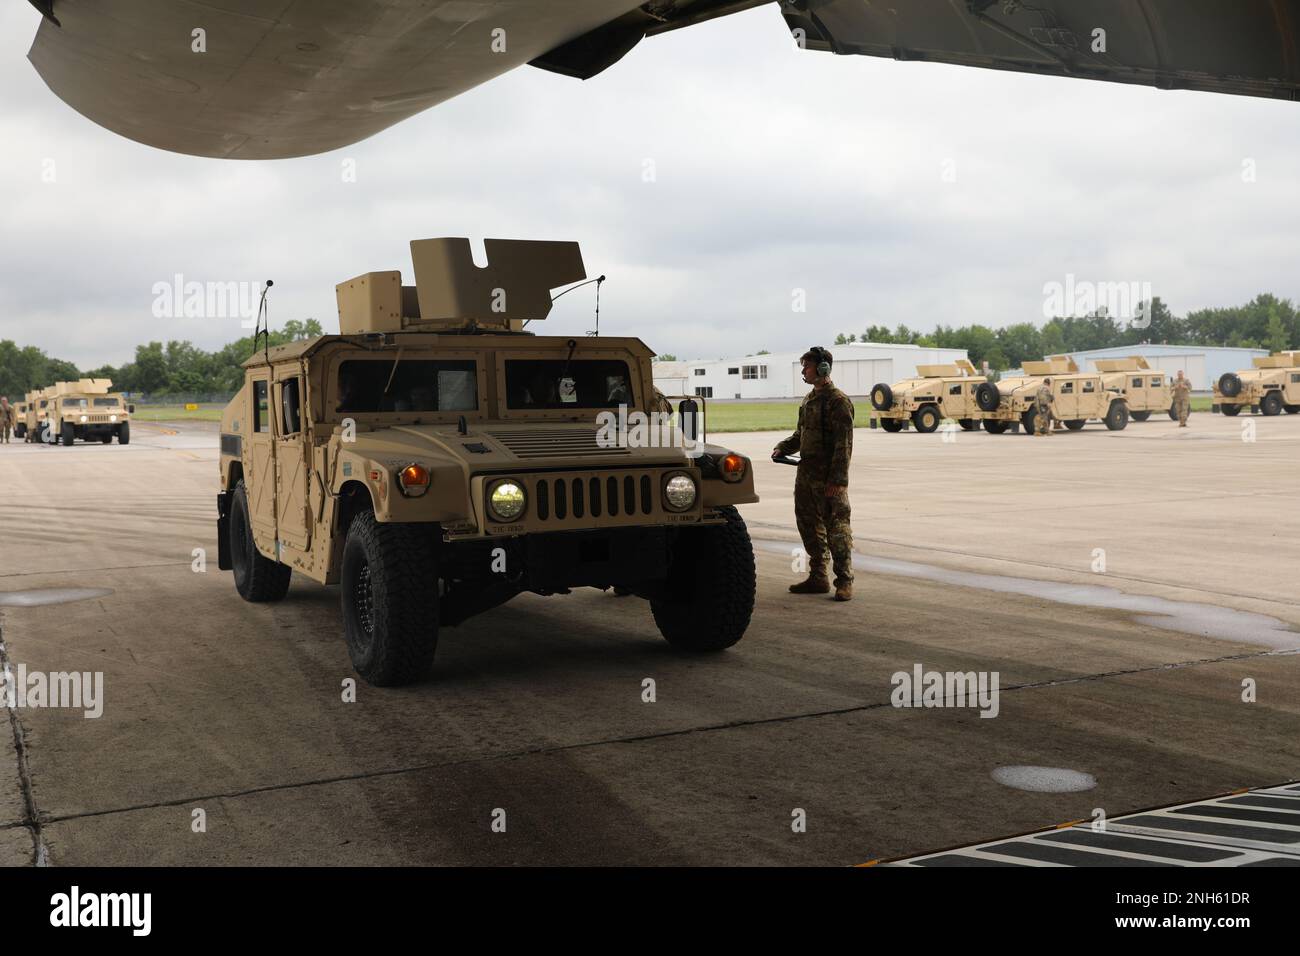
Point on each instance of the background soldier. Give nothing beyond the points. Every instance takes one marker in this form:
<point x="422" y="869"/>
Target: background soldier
<point x="824" y="439"/>
<point x="1182" y="398"/>
<point x="659" y="403"/>
<point x="8" y="419"/>
<point x="1043" y="408"/>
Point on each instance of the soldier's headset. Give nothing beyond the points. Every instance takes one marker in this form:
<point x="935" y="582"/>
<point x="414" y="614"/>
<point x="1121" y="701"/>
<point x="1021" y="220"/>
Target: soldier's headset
<point x="818" y="354"/>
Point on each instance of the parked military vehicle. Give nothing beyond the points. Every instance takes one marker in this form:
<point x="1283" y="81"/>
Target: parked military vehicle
<point x="435" y="460"/>
<point x="938" y="392"/>
<point x="85" y="410"/>
<point x="38" y="405"/>
<point x="20" y="417"/>
<point x="1077" y="398"/>
<point x="1145" y="390"/>
<point x="1271" y="387"/>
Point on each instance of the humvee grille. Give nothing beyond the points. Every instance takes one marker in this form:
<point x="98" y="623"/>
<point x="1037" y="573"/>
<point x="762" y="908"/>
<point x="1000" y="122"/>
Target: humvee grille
<point x="611" y="496"/>
<point x="554" y="441"/>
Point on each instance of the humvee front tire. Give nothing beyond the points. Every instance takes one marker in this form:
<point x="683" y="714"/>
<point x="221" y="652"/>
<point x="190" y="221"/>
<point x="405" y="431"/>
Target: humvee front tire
<point x="1117" y="416"/>
<point x="389" y="590"/>
<point x="1271" y="404"/>
<point x="710" y="587"/>
<point x="926" y="419"/>
<point x="968" y="424"/>
<point x="257" y="578"/>
<point x="124" y="433"/>
<point x="1074" y="424"/>
<point x="1230" y="410"/>
<point x="68" y="433"/>
<point x="1292" y="409"/>
<point x="891" y="424"/>
<point x="1139" y="416"/>
<point x="1027" y="420"/>
<point x="994" y="427"/>
<point x="1173" y="413"/>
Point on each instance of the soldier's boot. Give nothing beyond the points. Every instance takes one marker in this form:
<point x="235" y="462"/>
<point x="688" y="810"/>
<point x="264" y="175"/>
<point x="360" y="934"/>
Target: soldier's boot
<point x="844" y="591"/>
<point x="814" y="585"/>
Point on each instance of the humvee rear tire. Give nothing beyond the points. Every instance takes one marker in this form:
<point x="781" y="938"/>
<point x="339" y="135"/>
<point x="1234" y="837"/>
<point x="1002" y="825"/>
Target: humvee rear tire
<point x="257" y="578"/>
<point x="710" y="586"/>
<point x="994" y="427"/>
<point x="926" y="419"/>
<point x="968" y="424"/>
<point x="1271" y="404"/>
<point x="882" y="397"/>
<point x="124" y="433"/>
<point x="1230" y="410"/>
<point x="1117" y="416"/>
<point x="1027" y="421"/>
<point x="1173" y="413"/>
<point x="1139" y="416"/>
<point x="1074" y="424"/>
<point x="389" y="591"/>
<point x="891" y="424"/>
<point x="1229" y="385"/>
<point x="20" y="431"/>
<point x="106" y="439"/>
<point x="68" y="433"/>
<point x="1292" y="409"/>
<point x="987" y="397"/>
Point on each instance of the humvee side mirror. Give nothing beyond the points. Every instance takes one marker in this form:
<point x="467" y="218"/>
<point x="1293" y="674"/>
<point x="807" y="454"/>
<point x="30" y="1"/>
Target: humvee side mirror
<point x="688" y="414"/>
<point x="130" y="409"/>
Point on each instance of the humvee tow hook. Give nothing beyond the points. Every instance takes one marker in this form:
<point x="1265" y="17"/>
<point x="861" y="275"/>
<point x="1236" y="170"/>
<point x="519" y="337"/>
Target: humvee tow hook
<point x="785" y="460"/>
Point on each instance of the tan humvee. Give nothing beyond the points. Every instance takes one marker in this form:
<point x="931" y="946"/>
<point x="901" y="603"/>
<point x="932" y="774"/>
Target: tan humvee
<point x="1272" y="386"/>
<point x="435" y="460"/>
<point x="86" y="410"/>
<point x="1077" y="397"/>
<point x="938" y="392"/>
<point x="1145" y="389"/>
<point x="20" y="416"/>
<point x="38" y="404"/>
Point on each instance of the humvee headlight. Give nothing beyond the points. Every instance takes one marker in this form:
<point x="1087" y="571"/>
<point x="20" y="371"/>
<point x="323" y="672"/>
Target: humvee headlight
<point x="679" y="492"/>
<point x="506" y="500"/>
<point x="732" y="467"/>
<point x="112" y="418"/>
<point x="413" y="480"/>
<point x="85" y="418"/>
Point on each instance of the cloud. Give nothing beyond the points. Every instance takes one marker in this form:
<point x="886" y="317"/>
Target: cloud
<point x="710" y="174"/>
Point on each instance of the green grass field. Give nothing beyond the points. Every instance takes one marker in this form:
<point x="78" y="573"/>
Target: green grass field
<point x="722" y="416"/>
<point x="177" y="413"/>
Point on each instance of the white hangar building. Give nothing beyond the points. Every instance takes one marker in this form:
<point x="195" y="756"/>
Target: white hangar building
<point x="1203" y="364"/>
<point x="857" y="367"/>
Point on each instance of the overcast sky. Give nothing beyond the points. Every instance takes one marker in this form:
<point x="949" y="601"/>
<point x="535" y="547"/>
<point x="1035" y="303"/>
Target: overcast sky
<point x="774" y="170"/>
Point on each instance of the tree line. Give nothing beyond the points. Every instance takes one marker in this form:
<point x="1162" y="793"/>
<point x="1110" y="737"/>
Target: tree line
<point x="1265" y="322"/>
<point x="159" y="370"/>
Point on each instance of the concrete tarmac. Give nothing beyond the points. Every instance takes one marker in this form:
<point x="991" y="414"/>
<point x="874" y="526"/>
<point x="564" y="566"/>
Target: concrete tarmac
<point x="232" y="715"/>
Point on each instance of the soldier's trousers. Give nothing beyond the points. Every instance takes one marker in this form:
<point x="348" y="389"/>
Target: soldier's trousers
<point x="1181" y="409"/>
<point x="6" y="434"/>
<point x="1042" y="422"/>
<point x="823" y="525"/>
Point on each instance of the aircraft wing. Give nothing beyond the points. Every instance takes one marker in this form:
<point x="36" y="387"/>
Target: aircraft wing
<point x="268" y="79"/>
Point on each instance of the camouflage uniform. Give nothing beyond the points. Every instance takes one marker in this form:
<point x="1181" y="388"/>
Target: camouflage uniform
<point x="1042" y="410"/>
<point x="660" y="404"/>
<point x="824" y="439"/>
<point x="1182" y="400"/>
<point x="8" y="419"/>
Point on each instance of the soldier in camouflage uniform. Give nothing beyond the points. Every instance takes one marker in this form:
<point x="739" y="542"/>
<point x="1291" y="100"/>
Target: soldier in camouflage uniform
<point x="1043" y="408"/>
<point x="1182" y="398"/>
<point x="824" y="440"/>
<point x="8" y="419"/>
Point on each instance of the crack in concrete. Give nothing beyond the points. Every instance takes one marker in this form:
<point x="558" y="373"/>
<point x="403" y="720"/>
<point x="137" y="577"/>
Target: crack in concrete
<point x="638" y="738"/>
<point x="32" y="821"/>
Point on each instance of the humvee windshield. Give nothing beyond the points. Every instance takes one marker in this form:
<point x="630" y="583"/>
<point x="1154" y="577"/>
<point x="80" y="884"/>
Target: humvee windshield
<point x="416" y="386"/>
<point x="555" y="383"/>
<point x="106" y="403"/>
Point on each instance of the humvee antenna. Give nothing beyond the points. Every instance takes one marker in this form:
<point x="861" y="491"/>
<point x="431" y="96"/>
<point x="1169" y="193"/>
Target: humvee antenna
<point x="263" y="326"/>
<point x="598" y="280"/>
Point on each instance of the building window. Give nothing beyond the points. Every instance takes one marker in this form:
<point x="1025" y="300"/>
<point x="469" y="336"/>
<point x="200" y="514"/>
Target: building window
<point x="750" y="372"/>
<point x="733" y="371"/>
<point x="704" y="391"/>
<point x="699" y="371"/>
<point x="762" y="371"/>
